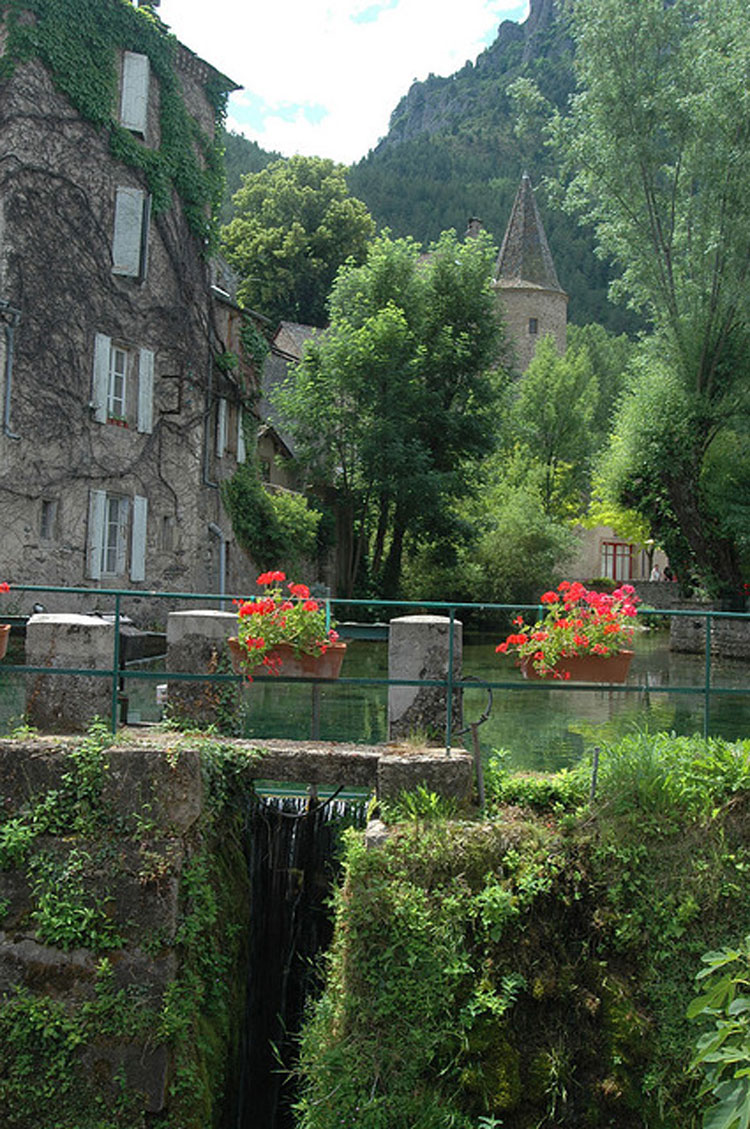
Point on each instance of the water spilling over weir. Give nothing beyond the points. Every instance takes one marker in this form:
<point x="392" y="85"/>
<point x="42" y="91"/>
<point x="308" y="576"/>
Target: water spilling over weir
<point x="291" y="852"/>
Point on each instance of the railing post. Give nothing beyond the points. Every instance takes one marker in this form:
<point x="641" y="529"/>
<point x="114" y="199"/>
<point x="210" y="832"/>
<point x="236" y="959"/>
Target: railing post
<point x="707" y="680"/>
<point x="449" y="705"/>
<point x="116" y="665"/>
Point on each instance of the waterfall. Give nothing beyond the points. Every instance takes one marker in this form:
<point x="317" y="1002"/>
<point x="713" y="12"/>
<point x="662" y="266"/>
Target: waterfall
<point x="291" y="849"/>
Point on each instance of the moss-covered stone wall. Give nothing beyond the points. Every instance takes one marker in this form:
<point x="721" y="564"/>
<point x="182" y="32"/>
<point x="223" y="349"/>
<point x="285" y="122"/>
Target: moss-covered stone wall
<point x="534" y="968"/>
<point x="123" y="916"/>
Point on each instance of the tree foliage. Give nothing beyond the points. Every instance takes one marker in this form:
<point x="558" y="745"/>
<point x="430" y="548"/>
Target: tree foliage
<point x="294" y="225"/>
<point x="658" y="160"/>
<point x="392" y="401"/>
<point x="552" y="418"/>
<point x="274" y="529"/>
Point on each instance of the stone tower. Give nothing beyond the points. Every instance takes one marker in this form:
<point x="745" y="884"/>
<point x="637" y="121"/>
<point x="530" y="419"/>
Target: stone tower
<point x="533" y="302"/>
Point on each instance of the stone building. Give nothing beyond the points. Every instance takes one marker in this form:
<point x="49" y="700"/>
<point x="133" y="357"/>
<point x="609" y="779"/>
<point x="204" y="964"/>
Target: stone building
<point x="122" y="376"/>
<point x="532" y="300"/>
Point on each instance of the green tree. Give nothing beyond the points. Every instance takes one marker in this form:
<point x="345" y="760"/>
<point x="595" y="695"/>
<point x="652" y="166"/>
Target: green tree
<point x="295" y="223"/>
<point x="394" y="401"/>
<point x="552" y="418"/>
<point x="658" y="160"/>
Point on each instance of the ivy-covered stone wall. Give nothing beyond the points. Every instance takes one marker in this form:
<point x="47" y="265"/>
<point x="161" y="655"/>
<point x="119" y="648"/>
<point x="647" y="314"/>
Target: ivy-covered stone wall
<point x="124" y="909"/>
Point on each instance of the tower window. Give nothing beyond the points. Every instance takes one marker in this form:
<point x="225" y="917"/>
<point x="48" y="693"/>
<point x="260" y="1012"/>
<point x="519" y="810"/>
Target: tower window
<point x="533" y="325"/>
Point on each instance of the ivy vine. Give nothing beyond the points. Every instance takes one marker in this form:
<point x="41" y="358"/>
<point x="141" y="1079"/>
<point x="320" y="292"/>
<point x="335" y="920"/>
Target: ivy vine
<point x="78" y="42"/>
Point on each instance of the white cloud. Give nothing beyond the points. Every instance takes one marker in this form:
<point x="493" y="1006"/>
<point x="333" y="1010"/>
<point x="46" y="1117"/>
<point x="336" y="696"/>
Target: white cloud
<point x="350" y="60"/>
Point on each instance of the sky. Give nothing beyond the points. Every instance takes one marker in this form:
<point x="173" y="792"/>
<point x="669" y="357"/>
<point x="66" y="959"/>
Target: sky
<point x="321" y="77"/>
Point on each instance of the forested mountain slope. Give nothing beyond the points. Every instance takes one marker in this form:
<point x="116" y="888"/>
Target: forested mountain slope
<point x="452" y="152"/>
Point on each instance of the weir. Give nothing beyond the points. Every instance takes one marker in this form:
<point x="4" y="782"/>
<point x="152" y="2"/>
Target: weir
<point x="291" y="848"/>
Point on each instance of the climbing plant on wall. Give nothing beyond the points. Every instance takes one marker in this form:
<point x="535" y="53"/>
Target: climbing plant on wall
<point x="78" y="42"/>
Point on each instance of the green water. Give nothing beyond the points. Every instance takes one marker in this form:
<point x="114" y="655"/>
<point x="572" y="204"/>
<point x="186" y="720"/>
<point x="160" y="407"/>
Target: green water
<point x="543" y="727"/>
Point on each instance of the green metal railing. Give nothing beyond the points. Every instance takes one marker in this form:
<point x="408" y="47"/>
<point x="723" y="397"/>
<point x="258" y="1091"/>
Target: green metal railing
<point x="116" y="672"/>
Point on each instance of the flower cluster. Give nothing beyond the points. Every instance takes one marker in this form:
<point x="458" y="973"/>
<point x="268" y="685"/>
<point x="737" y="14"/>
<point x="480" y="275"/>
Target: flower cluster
<point x="576" y="622"/>
<point x="274" y="618"/>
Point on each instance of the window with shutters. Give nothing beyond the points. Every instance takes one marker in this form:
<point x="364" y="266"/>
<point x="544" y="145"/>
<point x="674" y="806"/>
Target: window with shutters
<point x="116" y="535"/>
<point x="130" y="237"/>
<point x="122" y="385"/>
<point x="118" y="382"/>
<point x="115" y="540"/>
<point x="134" y="94"/>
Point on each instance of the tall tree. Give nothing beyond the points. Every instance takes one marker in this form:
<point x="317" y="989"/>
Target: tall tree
<point x="295" y="223"/>
<point x="552" y="418"/>
<point x="393" y="400"/>
<point x="657" y="148"/>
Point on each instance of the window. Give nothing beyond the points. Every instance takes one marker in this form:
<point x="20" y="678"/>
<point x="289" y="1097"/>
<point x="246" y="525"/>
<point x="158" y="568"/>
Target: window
<point x="533" y="325"/>
<point x="117" y="524"/>
<point x="167" y="538"/>
<point x="134" y="96"/>
<point x="130" y="239"/>
<point x="115" y="541"/>
<point x="117" y="371"/>
<point x="617" y="560"/>
<point x="48" y="524"/>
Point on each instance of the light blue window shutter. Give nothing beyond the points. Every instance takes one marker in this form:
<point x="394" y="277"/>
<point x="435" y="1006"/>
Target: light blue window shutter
<point x="146" y="391"/>
<point x="221" y="428"/>
<point x="138" y="551"/>
<point x="126" y="242"/>
<point x="95" y="541"/>
<point x="134" y="101"/>
<point x="241" y="448"/>
<point x="100" y="378"/>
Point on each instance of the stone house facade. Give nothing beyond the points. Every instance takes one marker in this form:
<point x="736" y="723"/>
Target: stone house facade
<point x="122" y="380"/>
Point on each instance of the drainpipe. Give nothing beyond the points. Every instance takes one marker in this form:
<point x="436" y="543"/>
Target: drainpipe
<point x="10" y="327"/>
<point x="215" y="531"/>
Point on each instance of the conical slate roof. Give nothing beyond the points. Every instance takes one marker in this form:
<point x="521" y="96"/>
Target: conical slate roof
<point x="525" y="258"/>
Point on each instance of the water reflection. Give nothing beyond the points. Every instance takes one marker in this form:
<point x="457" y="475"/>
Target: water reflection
<point x="542" y="727"/>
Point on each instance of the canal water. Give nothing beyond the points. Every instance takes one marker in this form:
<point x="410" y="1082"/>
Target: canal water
<point x="543" y="727"/>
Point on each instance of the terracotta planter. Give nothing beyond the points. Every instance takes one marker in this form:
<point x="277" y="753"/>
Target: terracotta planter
<point x="4" y="635"/>
<point x="292" y="666"/>
<point x="585" y="668"/>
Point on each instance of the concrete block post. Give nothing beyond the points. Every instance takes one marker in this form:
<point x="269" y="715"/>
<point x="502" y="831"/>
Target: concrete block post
<point x="66" y="703"/>
<point x="196" y="644"/>
<point x="419" y="648"/>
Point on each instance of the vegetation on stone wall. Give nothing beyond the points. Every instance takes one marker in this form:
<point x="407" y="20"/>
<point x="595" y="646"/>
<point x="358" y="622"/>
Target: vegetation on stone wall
<point x="535" y="969"/>
<point x="275" y="529"/>
<point x="64" y="1030"/>
<point x="78" y="41"/>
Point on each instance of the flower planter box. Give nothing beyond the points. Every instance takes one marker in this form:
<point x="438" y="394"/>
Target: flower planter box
<point x="4" y="636"/>
<point x="584" y="668"/>
<point x="292" y="665"/>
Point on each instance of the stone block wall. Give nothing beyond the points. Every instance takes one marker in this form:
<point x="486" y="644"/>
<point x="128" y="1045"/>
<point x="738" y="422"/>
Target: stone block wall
<point x="117" y="871"/>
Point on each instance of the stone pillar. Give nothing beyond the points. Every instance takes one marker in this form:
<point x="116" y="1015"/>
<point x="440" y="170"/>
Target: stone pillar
<point x="418" y="648"/>
<point x="66" y="703"/>
<point x="196" y="644"/>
